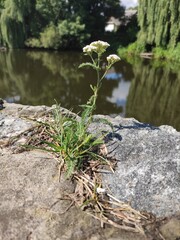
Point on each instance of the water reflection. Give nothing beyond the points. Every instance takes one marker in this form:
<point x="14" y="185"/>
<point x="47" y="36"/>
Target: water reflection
<point x="145" y="90"/>
<point x="154" y="95"/>
<point x="33" y="77"/>
<point x="120" y="93"/>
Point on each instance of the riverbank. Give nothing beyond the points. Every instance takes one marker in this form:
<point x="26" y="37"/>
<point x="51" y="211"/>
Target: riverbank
<point x="32" y="204"/>
<point x="157" y="53"/>
<point x="3" y="49"/>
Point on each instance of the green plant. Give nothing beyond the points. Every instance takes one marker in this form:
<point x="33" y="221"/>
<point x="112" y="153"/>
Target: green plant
<point x="174" y="54"/>
<point x="95" y="51"/>
<point x="131" y="50"/>
<point x="67" y="33"/>
<point x="159" y="53"/>
<point x="122" y="51"/>
<point x="69" y="133"/>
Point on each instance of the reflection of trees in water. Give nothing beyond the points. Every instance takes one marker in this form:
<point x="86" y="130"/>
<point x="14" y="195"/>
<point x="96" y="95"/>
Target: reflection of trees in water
<point x="40" y="77"/>
<point x="154" y="95"/>
<point x="59" y="77"/>
<point x="6" y="85"/>
<point x="125" y="68"/>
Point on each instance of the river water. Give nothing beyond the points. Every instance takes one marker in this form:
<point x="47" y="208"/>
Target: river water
<point x="146" y="90"/>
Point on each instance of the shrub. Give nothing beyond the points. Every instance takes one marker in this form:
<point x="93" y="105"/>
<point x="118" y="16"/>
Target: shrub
<point x="133" y="49"/>
<point x="159" y="53"/>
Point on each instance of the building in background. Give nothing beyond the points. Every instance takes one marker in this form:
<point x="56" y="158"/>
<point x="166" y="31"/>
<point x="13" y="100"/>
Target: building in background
<point x="113" y="24"/>
<point x="129" y="3"/>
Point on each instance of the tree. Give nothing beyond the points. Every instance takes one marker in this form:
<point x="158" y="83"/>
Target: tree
<point x="1" y="8"/>
<point x="159" y="23"/>
<point x="77" y="21"/>
<point x="67" y="34"/>
<point x="55" y="23"/>
<point x="1" y="5"/>
<point x="15" y="23"/>
<point x="96" y="13"/>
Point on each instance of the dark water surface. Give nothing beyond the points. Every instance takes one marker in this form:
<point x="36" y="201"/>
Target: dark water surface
<point x="146" y="90"/>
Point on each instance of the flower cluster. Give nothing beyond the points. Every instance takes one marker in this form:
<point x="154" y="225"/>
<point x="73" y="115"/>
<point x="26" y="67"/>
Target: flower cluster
<point x="89" y="49"/>
<point x="112" y="59"/>
<point x="98" y="47"/>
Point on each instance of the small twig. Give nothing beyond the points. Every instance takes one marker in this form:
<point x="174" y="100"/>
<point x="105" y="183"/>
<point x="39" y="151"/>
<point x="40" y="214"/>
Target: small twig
<point x="71" y="204"/>
<point x="161" y="236"/>
<point x="101" y="171"/>
<point x="84" y="184"/>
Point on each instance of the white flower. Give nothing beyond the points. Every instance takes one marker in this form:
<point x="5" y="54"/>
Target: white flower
<point x="113" y="58"/>
<point x="89" y="49"/>
<point x="100" y="44"/>
<point x="98" y="47"/>
<point x="100" y="190"/>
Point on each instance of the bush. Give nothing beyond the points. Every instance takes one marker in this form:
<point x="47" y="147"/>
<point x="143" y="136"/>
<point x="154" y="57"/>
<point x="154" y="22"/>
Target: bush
<point x="122" y="51"/>
<point x="132" y="49"/>
<point x="174" y="54"/>
<point x="67" y="34"/>
<point x="71" y="34"/>
<point x="50" y="37"/>
<point x="170" y="53"/>
<point x="159" y="53"/>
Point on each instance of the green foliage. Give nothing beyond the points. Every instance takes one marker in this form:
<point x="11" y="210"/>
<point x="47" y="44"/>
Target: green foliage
<point x="1" y="6"/>
<point x="122" y="51"/>
<point x="133" y="49"/>
<point x="33" y="42"/>
<point x="170" y="54"/>
<point x="174" y="54"/>
<point x="50" y="11"/>
<point x="72" y="33"/>
<point x="136" y="48"/>
<point x="159" y="53"/>
<point x="54" y="24"/>
<point x="71" y="140"/>
<point x="159" y="23"/>
<point x="66" y="35"/>
<point x="15" y="24"/>
<point x="49" y="38"/>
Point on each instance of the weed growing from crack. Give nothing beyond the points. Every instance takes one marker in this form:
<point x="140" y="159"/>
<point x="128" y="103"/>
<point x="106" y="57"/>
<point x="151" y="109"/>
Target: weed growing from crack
<point x="71" y="139"/>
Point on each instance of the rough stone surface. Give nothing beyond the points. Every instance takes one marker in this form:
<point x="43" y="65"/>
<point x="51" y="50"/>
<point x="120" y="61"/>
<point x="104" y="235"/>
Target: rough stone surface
<point x="15" y="119"/>
<point x="31" y="199"/>
<point x="148" y="165"/>
<point x="171" y="230"/>
<point x="18" y="110"/>
<point x="32" y="205"/>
